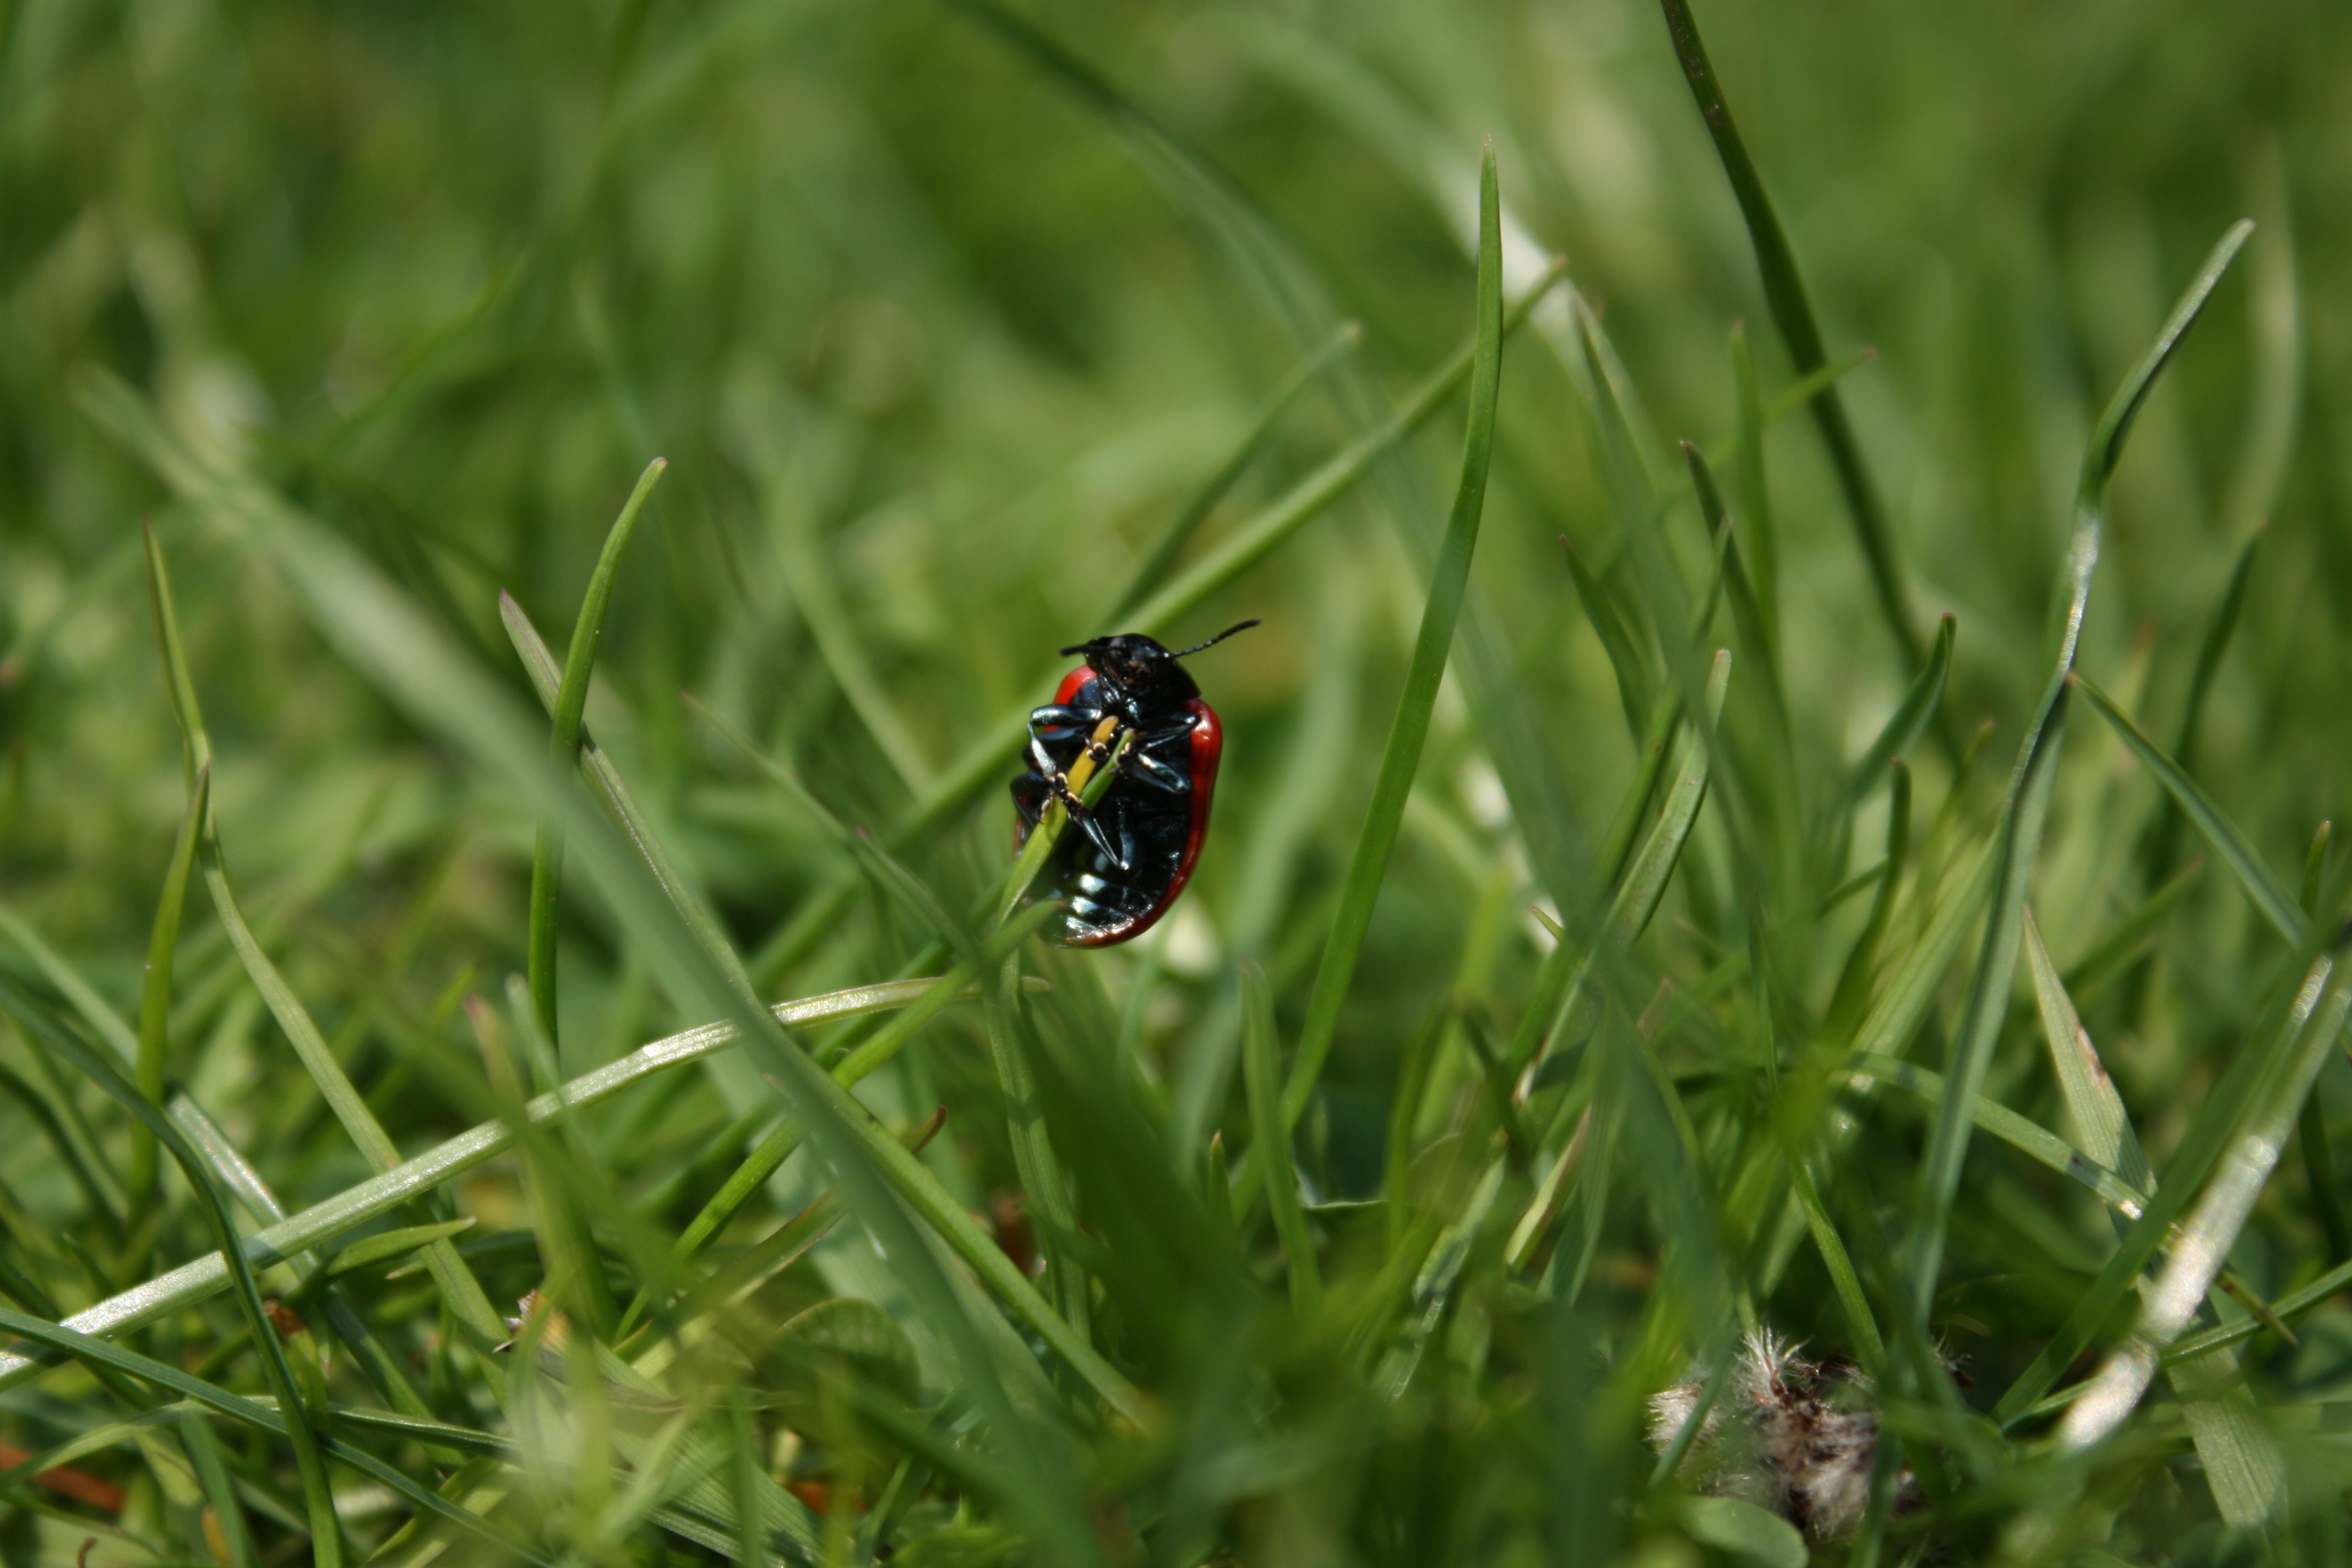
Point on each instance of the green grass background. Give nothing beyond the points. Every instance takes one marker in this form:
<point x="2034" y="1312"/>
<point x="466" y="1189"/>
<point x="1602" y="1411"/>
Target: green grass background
<point x="941" y="314"/>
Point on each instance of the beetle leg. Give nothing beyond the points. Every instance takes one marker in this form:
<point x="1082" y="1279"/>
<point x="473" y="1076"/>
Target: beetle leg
<point x="1143" y="766"/>
<point x="1085" y="820"/>
<point x="1058" y="719"/>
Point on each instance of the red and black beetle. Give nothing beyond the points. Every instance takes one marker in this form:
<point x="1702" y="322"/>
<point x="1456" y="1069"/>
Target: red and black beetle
<point x="1134" y="850"/>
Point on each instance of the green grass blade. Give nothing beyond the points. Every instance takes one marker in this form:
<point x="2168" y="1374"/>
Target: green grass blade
<point x="1905" y="725"/>
<point x="2026" y="1136"/>
<point x="1839" y="1264"/>
<point x="1852" y="990"/>
<point x="1261" y="1076"/>
<point x="1792" y="312"/>
<point x="326" y="1538"/>
<point x="606" y="781"/>
<point x="1755" y="493"/>
<point x="197" y="1435"/>
<point x="2211" y="1228"/>
<point x="475" y="1314"/>
<point x="2270" y="900"/>
<point x="2217" y="1117"/>
<point x="2097" y="1110"/>
<point x="155" y="989"/>
<point x="1160" y="556"/>
<point x="563" y="745"/>
<point x="322" y="1222"/>
<point x="252" y="1413"/>
<point x="2018" y="840"/>
<point x="1042" y="1181"/>
<point x="1402" y="758"/>
<point x="1616" y="641"/>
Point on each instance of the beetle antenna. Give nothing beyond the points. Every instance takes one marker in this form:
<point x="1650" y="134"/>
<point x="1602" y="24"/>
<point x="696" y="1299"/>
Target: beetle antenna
<point x="1220" y="636"/>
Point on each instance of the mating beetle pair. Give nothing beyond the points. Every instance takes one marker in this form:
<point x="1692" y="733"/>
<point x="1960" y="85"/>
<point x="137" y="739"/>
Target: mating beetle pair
<point x="1133" y="851"/>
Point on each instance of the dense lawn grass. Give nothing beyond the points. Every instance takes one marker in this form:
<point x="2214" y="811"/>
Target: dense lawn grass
<point x="1763" y="982"/>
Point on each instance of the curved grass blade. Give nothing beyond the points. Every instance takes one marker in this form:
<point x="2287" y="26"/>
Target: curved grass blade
<point x="2090" y="1099"/>
<point x="1911" y="716"/>
<point x="2212" y="1228"/>
<point x="1792" y="312"/>
<point x="322" y="1222"/>
<point x="155" y="991"/>
<point x="2272" y="901"/>
<point x="2270" y="1043"/>
<point x="1448" y="583"/>
<point x="1861" y="962"/>
<point x="464" y="1293"/>
<point x="2018" y="839"/>
<point x="605" y="780"/>
<point x="563" y="746"/>
<point x="326" y="1539"/>
<point x="1624" y="653"/>
<point x="1162" y="554"/>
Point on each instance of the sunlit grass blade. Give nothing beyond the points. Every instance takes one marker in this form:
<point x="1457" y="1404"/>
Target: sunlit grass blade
<point x="2211" y="1229"/>
<point x="563" y="745"/>
<point x="1792" y="312"/>
<point x="2164" y="837"/>
<point x="2255" y="1065"/>
<point x="2270" y="900"/>
<point x="1402" y="757"/>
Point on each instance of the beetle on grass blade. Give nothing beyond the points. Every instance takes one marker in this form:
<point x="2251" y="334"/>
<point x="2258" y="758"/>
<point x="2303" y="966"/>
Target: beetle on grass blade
<point x="1134" y="850"/>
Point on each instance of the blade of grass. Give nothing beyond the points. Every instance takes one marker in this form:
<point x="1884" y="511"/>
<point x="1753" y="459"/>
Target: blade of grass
<point x="2270" y="1043"/>
<point x="1852" y="990"/>
<point x="1261" y="1076"/>
<point x="197" y="1435"/>
<point x="1402" y="757"/>
<point x="1904" y="726"/>
<point x="156" y="990"/>
<point x="2018" y="839"/>
<point x="1755" y="494"/>
<point x="251" y="1413"/>
<point x="1625" y="656"/>
<point x="2100" y="1119"/>
<point x="563" y="746"/>
<point x="2270" y="900"/>
<point x="1042" y="1181"/>
<point x="326" y="1538"/>
<point x="322" y="1222"/>
<point x="606" y="781"/>
<point x="1792" y="312"/>
<point x="2212" y="1228"/>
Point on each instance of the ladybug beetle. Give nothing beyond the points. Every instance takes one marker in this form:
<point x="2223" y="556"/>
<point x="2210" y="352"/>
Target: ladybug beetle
<point x="1134" y="850"/>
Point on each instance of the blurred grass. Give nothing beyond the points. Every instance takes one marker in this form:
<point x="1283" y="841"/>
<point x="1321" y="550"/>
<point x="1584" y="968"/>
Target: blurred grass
<point x="958" y="327"/>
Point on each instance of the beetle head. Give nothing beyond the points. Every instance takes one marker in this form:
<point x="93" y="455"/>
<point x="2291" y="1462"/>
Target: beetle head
<point x="1139" y="666"/>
